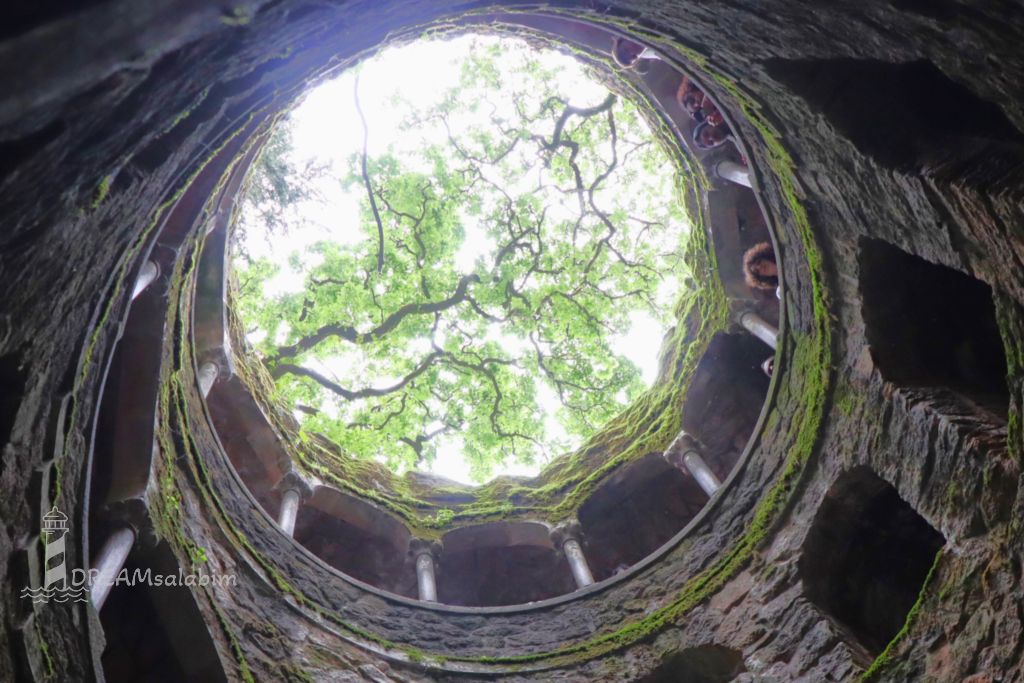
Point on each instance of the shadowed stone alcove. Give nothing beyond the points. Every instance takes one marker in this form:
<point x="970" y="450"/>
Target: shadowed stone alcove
<point x="866" y="557"/>
<point x="931" y="326"/>
<point x="704" y="664"/>
<point x="904" y="115"/>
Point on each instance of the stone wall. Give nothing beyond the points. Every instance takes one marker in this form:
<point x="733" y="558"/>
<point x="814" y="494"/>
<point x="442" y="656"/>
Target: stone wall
<point x="895" y="121"/>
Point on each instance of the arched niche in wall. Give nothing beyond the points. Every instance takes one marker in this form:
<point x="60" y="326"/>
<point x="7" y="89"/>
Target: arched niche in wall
<point x="358" y="539"/>
<point x="737" y="224"/>
<point x="932" y="326"/>
<point x="635" y="512"/>
<point x="501" y="563"/>
<point x="125" y="431"/>
<point x="12" y="379"/>
<point x="902" y="115"/>
<point x="703" y="664"/>
<point x="156" y="632"/>
<point x="866" y="557"/>
<point x="725" y="398"/>
<point x="253" y="447"/>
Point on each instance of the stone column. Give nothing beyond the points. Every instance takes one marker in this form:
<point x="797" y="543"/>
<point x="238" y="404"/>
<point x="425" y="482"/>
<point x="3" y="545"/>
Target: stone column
<point x="759" y="327"/>
<point x="567" y="536"/>
<point x="684" y="454"/>
<point x="110" y="562"/>
<point x="294" y="490"/>
<point x="730" y="170"/>
<point x="289" y="511"/>
<point x="208" y="373"/>
<point x="425" y="555"/>
<point x="149" y="272"/>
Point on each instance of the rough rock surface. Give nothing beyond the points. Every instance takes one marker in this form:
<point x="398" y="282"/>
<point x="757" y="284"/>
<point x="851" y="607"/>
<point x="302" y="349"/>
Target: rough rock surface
<point x="110" y="108"/>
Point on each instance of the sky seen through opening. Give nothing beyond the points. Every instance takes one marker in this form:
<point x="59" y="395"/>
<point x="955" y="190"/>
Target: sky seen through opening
<point x="504" y="391"/>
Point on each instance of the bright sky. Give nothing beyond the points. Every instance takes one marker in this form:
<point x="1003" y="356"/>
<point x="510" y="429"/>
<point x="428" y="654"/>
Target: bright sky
<point x="327" y="129"/>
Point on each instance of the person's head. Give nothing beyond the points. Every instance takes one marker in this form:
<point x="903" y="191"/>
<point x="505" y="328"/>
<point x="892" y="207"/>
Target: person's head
<point x="759" y="268"/>
<point x="709" y="108"/>
<point x="693" y="102"/>
<point x="626" y="53"/>
<point x="706" y="136"/>
<point x="685" y="86"/>
<point x="712" y="116"/>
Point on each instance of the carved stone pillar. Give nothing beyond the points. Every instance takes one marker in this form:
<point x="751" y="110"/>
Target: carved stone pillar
<point x="109" y="563"/>
<point x="208" y="373"/>
<point x="567" y="537"/>
<point x="294" y="489"/>
<point x="684" y="454"/>
<point x="129" y="522"/>
<point x="149" y="272"/>
<point x="730" y="170"/>
<point x="425" y="555"/>
<point x="758" y="327"/>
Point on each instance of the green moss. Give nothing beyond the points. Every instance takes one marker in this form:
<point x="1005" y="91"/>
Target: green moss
<point x="236" y="649"/>
<point x="295" y="673"/>
<point x="952" y="492"/>
<point x="884" y="661"/>
<point x="1010" y="319"/>
<point x="44" y="650"/>
<point x="236" y="16"/>
<point x="101" y="191"/>
<point x="646" y="426"/>
<point x="848" y="400"/>
<point x="188" y="112"/>
<point x="959" y="577"/>
<point x="166" y="505"/>
<point x="443" y="518"/>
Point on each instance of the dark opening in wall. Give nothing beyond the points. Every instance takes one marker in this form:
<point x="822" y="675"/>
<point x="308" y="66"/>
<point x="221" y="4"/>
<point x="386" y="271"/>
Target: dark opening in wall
<point x="635" y="512"/>
<point x="737" y="225"/>
<point x="357" y="547"/>
<point x="936" y="9"/>
<point x="156" y="633"/>
<point x="12" y="388"/>
<point x="932" y="326"/>
<point x="725" y="398"/>
<point x="23" y="17"/>
<point x="866" y="557"/>
<point x="250" y="443"/>
<point x="12" y="154"/>
<point x="902" y="115"/>
<point x="501" y="563"/>
<point x="704" y="664"/>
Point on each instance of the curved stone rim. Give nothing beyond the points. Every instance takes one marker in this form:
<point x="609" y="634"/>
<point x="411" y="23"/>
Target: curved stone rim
<point x="707" y="510"/>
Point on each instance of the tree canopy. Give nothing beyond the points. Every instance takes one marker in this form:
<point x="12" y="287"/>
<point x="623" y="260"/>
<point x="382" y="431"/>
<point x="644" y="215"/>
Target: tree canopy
<point x="478" y="294"/>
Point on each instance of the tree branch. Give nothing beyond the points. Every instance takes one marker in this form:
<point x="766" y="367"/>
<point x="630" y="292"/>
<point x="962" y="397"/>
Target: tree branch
<point x="366" y="180"/>
<point x="349" y="333"/>
<point x="349" y="394"/>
